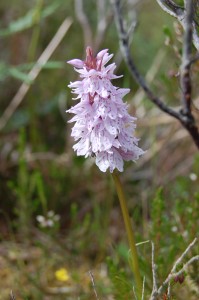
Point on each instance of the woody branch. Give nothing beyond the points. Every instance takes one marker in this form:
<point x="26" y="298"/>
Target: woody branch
<point x="184" y="116"/>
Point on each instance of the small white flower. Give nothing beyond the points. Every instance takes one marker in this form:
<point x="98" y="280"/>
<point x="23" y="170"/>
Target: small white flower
<point x="50" y="214"/>
<point x="193" y="176"/>
<point x="40" y="219"/>
<point x="50" y="223"/>
<point x="174" y="229"/>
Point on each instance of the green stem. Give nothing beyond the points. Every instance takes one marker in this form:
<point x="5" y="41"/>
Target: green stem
<point x="130" y="234"/>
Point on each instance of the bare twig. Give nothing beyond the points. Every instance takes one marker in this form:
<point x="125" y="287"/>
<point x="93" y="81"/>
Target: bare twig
<point x="143" y="288"/>
<point x="102" y="22"/>
<point x="156" y="292"/>
<point x="94" y="37"/>
<point x="185" y="72"/>
<point x="35" y="72"/>
<point x="169" y="290"/>
<point x="155" y="287"/>
<point x="174" y="275"/>
<point x="171" y="8"/>
<point x="173" y="272"/>
<point x="12" y="297"/>
<point x="101" y="7"/>
<point x="186" y="120"/>
<point x="186" y="66"/>
<point x="93" y="284"/>
<point x="195" y="37"/>
<point x="134" y="293"/>
<point x="179" y="13"/>
<point x="83" y="20"/>
<point x="124" y="43"/>
<point x="179" y="260"/>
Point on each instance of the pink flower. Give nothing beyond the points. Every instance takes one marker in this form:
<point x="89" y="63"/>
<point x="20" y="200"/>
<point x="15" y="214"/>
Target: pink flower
<point x="103" y="128"/>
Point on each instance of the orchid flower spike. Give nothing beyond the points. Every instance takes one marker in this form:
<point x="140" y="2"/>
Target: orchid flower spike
<point x="103" y="128"/>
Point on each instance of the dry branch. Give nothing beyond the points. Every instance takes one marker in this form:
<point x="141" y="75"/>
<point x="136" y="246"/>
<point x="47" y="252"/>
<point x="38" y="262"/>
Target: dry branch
<point x="156" y="292"/>
<point x="184" y="116"/>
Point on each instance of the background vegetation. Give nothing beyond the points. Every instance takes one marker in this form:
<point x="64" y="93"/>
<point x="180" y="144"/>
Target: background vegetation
<point x="59" y="216"/>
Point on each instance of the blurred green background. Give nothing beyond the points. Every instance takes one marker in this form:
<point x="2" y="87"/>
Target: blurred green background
<point x="59" y="215"/>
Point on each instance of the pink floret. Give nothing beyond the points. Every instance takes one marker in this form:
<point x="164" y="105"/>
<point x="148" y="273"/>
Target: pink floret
<point x="103" y="128"/>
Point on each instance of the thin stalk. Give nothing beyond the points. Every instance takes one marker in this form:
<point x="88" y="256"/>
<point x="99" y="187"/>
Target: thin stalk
<point x="130" y="234"/>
